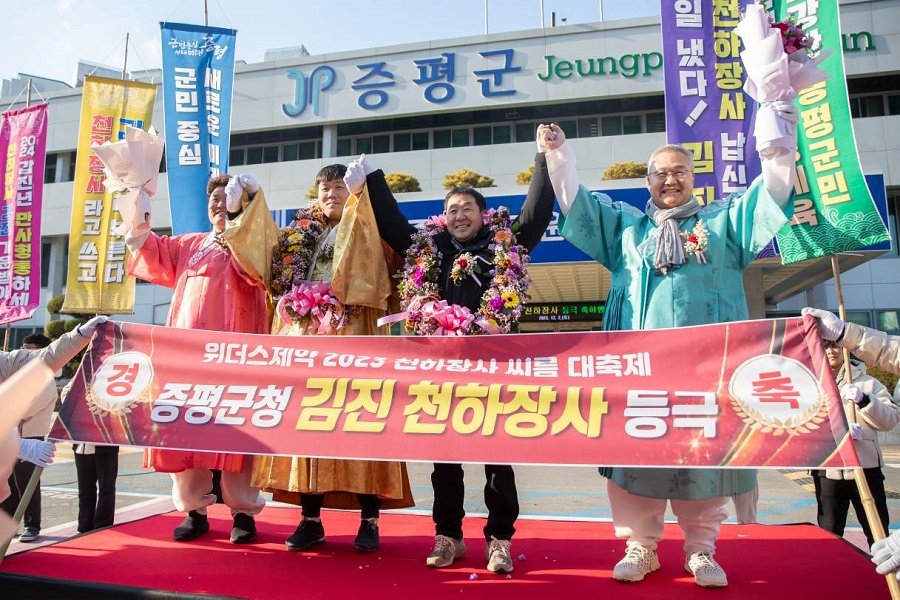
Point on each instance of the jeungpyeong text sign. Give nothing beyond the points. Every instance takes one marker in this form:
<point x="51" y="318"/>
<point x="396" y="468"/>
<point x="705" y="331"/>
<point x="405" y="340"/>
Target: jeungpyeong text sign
<point x="752" y="393"/>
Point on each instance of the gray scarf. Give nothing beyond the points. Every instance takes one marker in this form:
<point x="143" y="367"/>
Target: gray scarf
<point x="669" y="248"/>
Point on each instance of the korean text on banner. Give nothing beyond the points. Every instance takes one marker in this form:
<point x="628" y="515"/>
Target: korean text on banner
<point x="707" y="109"/>
<point x="198" y="76"/>
<point x="833" y="209"/>
<point x="97" y="281"/>
<point x="759" y="393"/>
<point x="23" y="148"/>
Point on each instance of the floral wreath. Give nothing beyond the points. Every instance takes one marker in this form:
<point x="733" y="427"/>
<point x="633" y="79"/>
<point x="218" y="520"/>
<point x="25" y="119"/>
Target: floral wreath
<point x="502" y="301"/>
<point x="296" y="297"/>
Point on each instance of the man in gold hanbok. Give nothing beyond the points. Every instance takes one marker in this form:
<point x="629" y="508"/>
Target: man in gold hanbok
<point x="348" y="255"/>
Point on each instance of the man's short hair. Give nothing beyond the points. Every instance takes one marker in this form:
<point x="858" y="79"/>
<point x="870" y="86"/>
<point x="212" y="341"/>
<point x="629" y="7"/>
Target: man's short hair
<point x="331" y="173"/>
<point x="466" y="190"/>
<point x="216" y="181"/>
<point x="37" y="339"/>
<point x="677" y="148"/>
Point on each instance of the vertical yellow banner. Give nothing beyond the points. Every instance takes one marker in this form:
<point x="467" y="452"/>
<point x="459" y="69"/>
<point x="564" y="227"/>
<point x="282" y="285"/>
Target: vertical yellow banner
<point x="97" y="282"/>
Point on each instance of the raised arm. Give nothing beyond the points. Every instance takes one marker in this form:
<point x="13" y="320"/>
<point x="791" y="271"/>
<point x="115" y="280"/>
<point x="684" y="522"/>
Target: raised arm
<point x="393" y="227"/>
<point x="537" y="211"/>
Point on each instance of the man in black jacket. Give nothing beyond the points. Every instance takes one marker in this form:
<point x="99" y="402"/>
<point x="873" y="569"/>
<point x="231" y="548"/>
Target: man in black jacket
<point x="465" y="233"/>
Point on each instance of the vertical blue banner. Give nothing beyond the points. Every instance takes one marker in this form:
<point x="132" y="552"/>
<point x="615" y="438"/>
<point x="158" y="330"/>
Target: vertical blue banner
<point x="198" y="77"/>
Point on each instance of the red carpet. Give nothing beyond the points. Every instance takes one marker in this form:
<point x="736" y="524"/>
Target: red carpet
<point x="554" y="558"/>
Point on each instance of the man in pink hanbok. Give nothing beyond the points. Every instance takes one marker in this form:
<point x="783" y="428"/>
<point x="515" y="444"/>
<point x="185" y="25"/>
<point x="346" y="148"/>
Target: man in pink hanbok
<point x="211" y="291"/>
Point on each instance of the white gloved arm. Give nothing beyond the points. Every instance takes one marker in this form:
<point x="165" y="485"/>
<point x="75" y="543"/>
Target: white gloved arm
<point x="37" y="452"/>
<point x="355" y="177"/>
<point x="560" y="164"/>
<point x="886" y="554"/>
<point x="778" y="162"/>
<point x="88" y="329"/>
<point x="236" y="187"/>
<point x="831" y="327"/>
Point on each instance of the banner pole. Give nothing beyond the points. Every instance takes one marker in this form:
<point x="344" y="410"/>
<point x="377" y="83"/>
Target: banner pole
<point x="23" y="504"/>
<point x="862" y="486"/>
<point x="125" y="62"/>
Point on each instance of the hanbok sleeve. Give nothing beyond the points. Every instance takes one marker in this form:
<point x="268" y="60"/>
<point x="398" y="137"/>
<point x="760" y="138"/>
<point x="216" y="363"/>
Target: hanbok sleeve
<point x="754" y="219"/>
<point x="156" y="260"/>
<point x="252" y="238"/>
<point x="595" y="225"/>
<point x="359" y="273"/>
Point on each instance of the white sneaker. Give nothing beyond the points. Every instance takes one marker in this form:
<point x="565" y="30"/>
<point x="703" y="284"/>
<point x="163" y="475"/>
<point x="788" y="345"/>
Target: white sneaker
<point x="637" y="564"/>
<point x="706" y="571"/>
<point x="498" y="556"/>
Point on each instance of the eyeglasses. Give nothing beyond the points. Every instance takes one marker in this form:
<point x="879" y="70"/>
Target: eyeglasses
<point x="679" y="174"/>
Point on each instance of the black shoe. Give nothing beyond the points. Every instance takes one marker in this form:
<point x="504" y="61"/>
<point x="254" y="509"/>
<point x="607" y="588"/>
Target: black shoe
<point x="367" y="536"/>
<point x="193" y="526"/>
<point x="244" y="529"/>
<point x="308" y="534"/>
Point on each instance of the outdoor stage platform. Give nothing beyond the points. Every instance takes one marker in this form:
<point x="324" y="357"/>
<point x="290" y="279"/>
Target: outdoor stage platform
<point x="561" y="559"/>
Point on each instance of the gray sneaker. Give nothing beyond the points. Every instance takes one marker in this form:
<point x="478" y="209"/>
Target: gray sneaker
<point x="446" y="550"/>
<point x="498" y="556"/>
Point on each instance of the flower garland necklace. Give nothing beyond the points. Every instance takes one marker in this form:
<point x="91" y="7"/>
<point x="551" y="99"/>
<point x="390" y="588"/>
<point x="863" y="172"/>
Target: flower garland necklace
<point x="502" y="301"/>
<point x="292" y="263"/>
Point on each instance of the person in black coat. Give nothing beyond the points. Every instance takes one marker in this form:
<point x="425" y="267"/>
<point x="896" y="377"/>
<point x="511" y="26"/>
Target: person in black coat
<point x="465" y="232"/>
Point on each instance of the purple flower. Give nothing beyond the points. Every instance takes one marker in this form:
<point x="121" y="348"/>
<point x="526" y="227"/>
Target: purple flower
<point x="496" y="303"/>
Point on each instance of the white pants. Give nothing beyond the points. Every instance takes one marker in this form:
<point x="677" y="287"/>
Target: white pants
<point x="191" y="491"/>
<point x="745" y="506"/>
<point x="640" y="519"/>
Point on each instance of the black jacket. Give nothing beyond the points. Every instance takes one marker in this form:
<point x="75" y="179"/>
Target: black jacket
<point x="532" y="221"/>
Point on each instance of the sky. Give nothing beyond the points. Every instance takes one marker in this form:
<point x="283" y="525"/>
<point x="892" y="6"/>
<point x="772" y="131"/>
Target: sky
<point x="52" y="35"/>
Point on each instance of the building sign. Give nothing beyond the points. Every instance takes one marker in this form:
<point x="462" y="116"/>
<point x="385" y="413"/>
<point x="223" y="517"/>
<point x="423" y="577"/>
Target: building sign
<point x="627" y="65"/>
<point x="558" y="312"/>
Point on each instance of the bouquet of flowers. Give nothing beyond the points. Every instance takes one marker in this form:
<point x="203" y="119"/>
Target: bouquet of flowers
<point x="773" y="78"/>
<point x="316" y="301"/>
<point x="296" y="248"/>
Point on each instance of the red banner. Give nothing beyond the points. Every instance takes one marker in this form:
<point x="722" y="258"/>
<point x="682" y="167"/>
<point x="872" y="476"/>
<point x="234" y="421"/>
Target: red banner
<point x="23" y="150"/>
<point x="753" y="393"/>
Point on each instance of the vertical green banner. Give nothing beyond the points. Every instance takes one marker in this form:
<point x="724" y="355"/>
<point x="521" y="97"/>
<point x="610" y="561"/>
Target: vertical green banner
<point x="833" y="209"/>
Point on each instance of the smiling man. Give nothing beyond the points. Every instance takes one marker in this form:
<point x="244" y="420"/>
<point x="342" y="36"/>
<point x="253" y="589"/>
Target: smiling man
<point x="465" y="234"/>
<point x="675" y="264"/>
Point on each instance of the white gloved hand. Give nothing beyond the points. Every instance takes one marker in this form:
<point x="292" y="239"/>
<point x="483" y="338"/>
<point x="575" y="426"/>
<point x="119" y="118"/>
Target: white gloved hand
<point x="786" y="110"/>
<point x="886" y="554"/>
<point x="88" y="329"/>
<point x="367" y="165"/>
<point x="355" y="177"/>
<point x="38" y="452"/>
<point x="235" y="188"/>
<point x="852" y="392"/>
<point x="549" y="137"/>
<point x="830" y="326"/>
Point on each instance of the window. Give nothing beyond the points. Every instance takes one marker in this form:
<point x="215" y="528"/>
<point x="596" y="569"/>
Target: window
<point x="50" y="168"/>
<point x="364" y="145"/>
<point x="310" y="150"/>
<point x="611" y="125"/>
<point x="502" y="134"/>
<point x="888" y="321"/>
<point x="656" y="122"/>
<point x="236" y="157"/>
<point x="860" y="317"/>
<point x="270" y="154"/>
<point x="254" y="155"/>
<point x="525" y="132"/>
<point x="45" y="264"/>
<point x="343" y="147"/>
<point x="460" y="138"/>
<point x="588" y="127"/>
<point x="420" y="140"/>
<point x="441" y="138"/>
<point x="402" y="142"/>
<point x="290" y="152"/>
<point x="481" y="136"/>
<point x="631" y="124"/>
<point x="381" y="144"/>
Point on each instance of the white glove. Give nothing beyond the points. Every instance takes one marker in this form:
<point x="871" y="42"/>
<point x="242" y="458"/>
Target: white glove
<point x="785" y="110"/>
<point x="549" y="137"/>
<point x="88" y="329"/>
<point x="355" y="177"/>
<point x="852" y="392"/>
<point x="235" y="188"/>
<point x="38" y="452"/>
<point x="830" y="326"/>
<point x="367" y="165"/>
<point x="886" y="554"/>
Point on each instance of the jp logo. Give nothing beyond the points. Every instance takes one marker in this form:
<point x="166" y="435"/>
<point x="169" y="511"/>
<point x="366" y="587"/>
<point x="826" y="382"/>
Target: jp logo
<point x="308" y="91"/>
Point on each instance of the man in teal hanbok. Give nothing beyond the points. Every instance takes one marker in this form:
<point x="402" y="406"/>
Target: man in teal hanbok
<point x="675" y="264"/>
